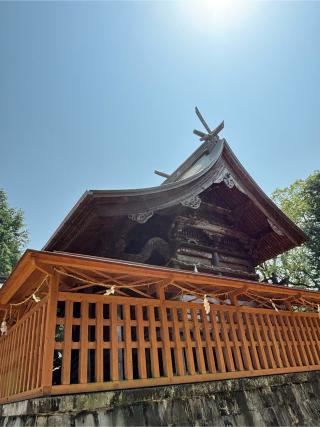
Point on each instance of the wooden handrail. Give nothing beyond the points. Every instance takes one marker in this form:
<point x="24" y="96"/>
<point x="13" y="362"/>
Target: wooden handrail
<point x="100" y="342"/>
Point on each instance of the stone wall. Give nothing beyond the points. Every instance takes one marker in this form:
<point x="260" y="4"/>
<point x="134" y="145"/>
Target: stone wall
<point x="291" y="399"/>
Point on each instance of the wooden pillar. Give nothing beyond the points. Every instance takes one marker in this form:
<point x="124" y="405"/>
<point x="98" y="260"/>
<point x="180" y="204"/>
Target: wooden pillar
<point x="166" y="353"/>
<point x="49" y="334"/>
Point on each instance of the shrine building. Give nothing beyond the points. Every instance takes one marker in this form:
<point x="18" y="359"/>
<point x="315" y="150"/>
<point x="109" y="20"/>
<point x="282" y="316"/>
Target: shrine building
<point x="158" y="286"/>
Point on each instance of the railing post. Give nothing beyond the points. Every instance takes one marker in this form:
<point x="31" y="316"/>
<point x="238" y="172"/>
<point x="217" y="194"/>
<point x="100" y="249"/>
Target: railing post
<point x="166" y="355"/>
<point x="49" y="334"/>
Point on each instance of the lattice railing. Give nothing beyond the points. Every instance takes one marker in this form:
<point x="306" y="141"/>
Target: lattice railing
<point x="107" y="342"/>
<point x="21" y="355"/>
<point x="111" y="342"/>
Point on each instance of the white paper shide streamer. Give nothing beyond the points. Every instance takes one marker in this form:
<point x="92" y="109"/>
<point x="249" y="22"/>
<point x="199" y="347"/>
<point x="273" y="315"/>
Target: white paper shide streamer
<point x="110" y="291"/>
<point x="4" y="328"/>
<point x="206" y="304"/>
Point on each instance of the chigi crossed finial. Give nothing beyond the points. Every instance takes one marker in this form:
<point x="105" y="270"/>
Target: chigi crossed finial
<point x="209" y="136"/>
<point x="210" y="133"/>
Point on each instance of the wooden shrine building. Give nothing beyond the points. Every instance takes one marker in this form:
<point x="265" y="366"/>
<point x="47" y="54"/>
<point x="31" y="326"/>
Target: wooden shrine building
<point x="158" y="286"/>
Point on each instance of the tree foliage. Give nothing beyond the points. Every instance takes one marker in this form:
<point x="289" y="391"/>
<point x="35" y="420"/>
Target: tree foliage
<point x="13" y="235"/>
<point x="300" y="266"/>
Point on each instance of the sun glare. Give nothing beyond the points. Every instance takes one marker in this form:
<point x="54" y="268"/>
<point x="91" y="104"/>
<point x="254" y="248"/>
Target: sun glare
<point x="218" y="14"/>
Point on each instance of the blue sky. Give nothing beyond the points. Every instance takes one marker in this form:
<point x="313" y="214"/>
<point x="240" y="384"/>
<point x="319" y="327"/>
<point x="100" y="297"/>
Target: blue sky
<point x="96" y="95"/>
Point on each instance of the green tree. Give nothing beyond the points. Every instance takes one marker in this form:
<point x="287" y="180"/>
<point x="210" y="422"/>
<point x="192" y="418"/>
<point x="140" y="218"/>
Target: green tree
<point x="300" y="266"/>
<point x="13" y="235"/>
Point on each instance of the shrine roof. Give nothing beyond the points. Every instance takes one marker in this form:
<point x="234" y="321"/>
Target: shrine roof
<point x="212" y="163"/>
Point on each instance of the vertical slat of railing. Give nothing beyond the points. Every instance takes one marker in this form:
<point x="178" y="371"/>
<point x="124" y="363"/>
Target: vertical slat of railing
<point x="114" y="371"/>
<point x="316" y="342"/>
<point x="31" y="360"/>
<point x="275" y="343"/>
<point x="128" y="344"/>
<point x="188" y="343"/>
<point x="312" y="346"/>
<point x="235" y="342"/>
<point x="280" y="338"/>
<point x="141" y="344"/>
<point x="209" y="344"/>
<point x="153" y="343"/>
<point x="307" y="343"/>
<point x="99" y="341"/>
<point x="299" y="339"/>
<point x="260" y="347"/>
<point x="8" y="343"/>
<point x="24" y="334"/>
<point x="36" y="349"/>
<point x="287" y="342"/>
<point x="6" y="371"/>
<point x="242" y="332"/>
<point x="177" y="343"/>
<point x="34" y="333"/>
<point x="166" y="353"/>
<point x="217" y="340"/>
<point x="2" y="349"/>
<point x="41" y="343"/>
<point x="316" y="322"/>
<point x="67" y="342"/>
<point x="16" y="356"/>
<point x="28" y="354"/>
<point x="226" y="341"/>
<point x="286" y="320"/>
<point x="199" y="350"/>
<point x="11" y="364"/>
<point x="253" y="343"/>
<point x="47" y="359"/>
<point x="83" y="371"/>
<point x="268" y="347"/>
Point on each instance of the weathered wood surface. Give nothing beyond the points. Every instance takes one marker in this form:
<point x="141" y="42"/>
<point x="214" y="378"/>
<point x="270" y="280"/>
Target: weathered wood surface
<point x="150" y="342"/>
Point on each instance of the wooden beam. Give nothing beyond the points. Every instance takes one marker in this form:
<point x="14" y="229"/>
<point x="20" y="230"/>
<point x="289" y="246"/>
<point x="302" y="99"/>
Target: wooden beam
<point x="163" y="174"/>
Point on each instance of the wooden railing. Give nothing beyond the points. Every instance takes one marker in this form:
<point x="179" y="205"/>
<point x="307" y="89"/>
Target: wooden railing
<point x="109" y="342"/>
<point x="21" y="355"/>
<point x="119" y="342"/>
